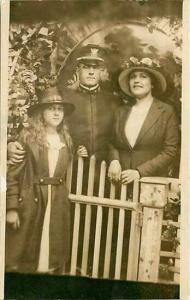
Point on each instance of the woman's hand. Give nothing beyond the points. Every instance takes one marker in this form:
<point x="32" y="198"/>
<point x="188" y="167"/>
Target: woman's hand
<point x="12" y="218"/>
<point x="114" y="171"/>
<point x="82" y="151"/>
<point x="15" y="153"/>
<point x="129" y="176"/>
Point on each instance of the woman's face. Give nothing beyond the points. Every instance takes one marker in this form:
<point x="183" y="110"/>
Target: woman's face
<point x="140" y="84"/>
<point x="53" y="115"/>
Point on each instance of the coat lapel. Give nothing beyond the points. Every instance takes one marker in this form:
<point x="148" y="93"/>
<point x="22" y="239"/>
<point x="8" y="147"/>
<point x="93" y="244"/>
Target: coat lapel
<point x="154" y="113"/>
<point x="35" y="151"/>
<point x="44" y="171"/>
<point x="62" y="162"/>
<point x="62" y="159"/>
<point x="123" y="119"/>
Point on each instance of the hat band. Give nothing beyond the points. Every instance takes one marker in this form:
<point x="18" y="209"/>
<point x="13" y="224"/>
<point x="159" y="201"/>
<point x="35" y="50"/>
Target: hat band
<point x="55" y="98"/>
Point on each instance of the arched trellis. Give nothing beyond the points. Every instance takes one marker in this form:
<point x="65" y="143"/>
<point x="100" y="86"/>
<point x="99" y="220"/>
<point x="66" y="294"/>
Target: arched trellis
<point x="151" y="27"/>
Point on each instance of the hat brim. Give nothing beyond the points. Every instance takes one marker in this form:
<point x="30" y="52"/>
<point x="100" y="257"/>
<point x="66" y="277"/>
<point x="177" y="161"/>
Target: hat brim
<point x="90" y="58"/>
<point x="68" y="107"/>
<point x="124" y="79"/>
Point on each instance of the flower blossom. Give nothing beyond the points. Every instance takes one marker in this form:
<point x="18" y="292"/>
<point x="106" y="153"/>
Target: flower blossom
<point x="146" y="61"/>
<point x="134" y="60"/>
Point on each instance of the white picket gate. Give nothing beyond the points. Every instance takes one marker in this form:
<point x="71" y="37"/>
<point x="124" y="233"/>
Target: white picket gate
<point x="149" y="196"/>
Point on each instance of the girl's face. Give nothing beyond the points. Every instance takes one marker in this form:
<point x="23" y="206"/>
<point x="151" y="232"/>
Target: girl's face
<point x="140" y="84"/>
<point x="53" y="115"/>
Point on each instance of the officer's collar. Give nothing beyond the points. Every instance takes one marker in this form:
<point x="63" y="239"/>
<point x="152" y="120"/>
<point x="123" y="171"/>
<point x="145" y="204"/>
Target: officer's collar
<point x="92" y="89"/>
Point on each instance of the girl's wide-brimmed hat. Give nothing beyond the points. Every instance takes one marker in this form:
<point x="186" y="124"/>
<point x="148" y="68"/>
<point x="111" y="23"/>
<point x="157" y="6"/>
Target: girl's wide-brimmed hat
<point x="145" y="64"/>
<point x="50" y="95"/>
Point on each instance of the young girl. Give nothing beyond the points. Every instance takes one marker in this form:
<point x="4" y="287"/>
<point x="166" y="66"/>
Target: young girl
<point x="38" y="211"/>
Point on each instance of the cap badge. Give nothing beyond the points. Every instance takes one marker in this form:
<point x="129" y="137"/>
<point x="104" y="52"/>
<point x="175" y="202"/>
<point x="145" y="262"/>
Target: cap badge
<point x="94" y="52"/>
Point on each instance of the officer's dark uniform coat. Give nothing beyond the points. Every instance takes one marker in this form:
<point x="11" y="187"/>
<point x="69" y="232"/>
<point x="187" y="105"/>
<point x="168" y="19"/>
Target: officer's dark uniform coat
<point x="91" y="122"/>
<point x="27" y="193"/>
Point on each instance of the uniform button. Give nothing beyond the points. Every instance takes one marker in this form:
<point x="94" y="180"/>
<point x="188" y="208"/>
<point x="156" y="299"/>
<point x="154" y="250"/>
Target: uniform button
<point x="20" y="200"/>
<point x="41" y="180"/>
<point x="36" y="200"/>
<point x="60" y="180"/>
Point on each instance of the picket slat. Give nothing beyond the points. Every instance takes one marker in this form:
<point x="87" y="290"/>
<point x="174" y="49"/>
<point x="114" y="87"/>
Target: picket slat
<point x="109" y="236"/>
<point x="79" y="176"/>
<point x="77" y="218"/>
<point x="134" y="240"/>
<point x="120" y="234"/>
<point x="87" y="225"/>
<point x="99" y="222"/>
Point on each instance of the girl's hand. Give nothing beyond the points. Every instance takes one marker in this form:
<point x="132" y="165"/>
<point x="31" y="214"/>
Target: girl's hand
<point x="82" y="151"/>
<point x="15" y="153"/>
<point x="128" y="176"/>
<point x="114" y="171"/>
<point x="12" y="218"/>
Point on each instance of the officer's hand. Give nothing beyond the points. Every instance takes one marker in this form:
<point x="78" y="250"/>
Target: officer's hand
<point x="12" y="218"/>
<point x="15" y="153"/>
<point x="82" y="151"/>
<point x="129" y="176"/>
<point x="114" y="171"/>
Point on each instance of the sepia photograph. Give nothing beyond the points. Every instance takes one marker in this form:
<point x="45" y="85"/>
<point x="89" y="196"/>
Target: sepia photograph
<point x="93" y="143"/>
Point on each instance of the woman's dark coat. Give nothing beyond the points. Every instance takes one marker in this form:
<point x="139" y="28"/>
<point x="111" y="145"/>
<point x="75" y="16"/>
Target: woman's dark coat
<point x="157" y="143"/>
<point x="27" y="193"/>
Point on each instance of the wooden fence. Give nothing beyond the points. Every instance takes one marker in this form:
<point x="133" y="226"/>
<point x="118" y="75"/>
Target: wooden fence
<point x="119" y="236"/>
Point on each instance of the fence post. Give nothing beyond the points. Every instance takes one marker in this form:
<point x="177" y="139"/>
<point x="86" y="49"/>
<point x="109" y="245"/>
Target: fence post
<point x="153" y="197"/>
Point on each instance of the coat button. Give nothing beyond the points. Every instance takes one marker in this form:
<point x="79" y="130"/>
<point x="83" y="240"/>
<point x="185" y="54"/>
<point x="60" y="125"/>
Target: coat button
<point x="20" y="199"/>
<point x="41" y="180"/>
<point x="36" y="200"/>
<point x="60" y="180"/>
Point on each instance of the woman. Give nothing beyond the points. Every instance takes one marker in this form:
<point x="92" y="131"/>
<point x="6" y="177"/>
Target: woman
<point x="38" y="209"/>
<point x="145" y="135"/>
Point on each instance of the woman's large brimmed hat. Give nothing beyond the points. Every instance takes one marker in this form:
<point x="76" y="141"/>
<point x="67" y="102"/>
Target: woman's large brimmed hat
<point x="145" y="64"/>
<point x="50" y="95"/>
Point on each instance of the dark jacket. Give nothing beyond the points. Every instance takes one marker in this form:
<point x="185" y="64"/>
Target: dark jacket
<point x="91" y="122"/>
<point x="156" y="146"/>
<point x="27" y="193"/>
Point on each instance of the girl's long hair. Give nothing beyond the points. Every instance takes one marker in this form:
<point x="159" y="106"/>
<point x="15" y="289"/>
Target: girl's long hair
<point x="36" y="132"/>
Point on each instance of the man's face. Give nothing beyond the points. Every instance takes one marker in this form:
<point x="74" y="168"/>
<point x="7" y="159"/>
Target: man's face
<point x="89" y="73"/>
